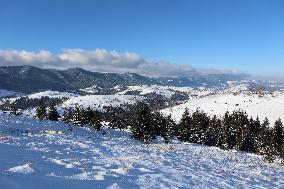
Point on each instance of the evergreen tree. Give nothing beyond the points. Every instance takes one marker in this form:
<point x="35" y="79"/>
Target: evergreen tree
<point x="41" y="111"/>
<point x="163" y="126"/>
<point x="265" y="124"/>
<point x="200" y="123"/>
<point x="159" y="123"/>
<point x="278" y="135"/>
<point x="184" y="126"/>
<point x="96" y="120"/>
<point x="214" y="132"/>
<point x="142" y="126"/>
<point x="117" y="120"/>
<point x="269" y="149"/>
<point x="169" y="130"/>
<point x="242" y="128"/>
<point x="52" y="113"/>
<point x="67" y="116"/>
<point x="78" y="118"/>
<point x="227" y="131"/>
<point x="250" y="137"/>
<point x="282" y="153"/>
<point x="88" y="116"/>
<point x="262" y="139"/>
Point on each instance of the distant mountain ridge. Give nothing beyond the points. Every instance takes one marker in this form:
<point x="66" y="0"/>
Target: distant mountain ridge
<point x="32" y="79"/>
<point x="28" y="79"/>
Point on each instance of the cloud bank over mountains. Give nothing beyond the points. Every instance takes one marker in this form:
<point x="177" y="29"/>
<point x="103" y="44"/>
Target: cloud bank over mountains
<point x="103" y="61"/>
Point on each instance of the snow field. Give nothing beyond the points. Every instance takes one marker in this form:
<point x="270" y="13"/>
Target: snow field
<point x="267" y="106"/>
<point x="47" y="154"/>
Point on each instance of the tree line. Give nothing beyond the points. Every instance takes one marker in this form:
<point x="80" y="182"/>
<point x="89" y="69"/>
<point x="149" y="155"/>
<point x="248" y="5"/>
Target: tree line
<point x="234" y="130"/>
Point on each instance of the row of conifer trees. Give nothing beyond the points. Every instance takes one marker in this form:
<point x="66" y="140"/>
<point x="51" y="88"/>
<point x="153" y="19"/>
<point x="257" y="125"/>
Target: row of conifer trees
<point x="232" y="131"/>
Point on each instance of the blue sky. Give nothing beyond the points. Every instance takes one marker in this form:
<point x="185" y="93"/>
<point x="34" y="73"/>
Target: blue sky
<point x="242" y="34"/>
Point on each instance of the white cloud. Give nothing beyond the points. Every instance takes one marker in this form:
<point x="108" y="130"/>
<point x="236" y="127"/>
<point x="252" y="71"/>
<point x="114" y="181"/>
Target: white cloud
<point x="100" y="60"/>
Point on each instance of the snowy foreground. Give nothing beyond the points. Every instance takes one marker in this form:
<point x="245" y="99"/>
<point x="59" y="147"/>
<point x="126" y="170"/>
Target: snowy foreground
<point x="47" y="154"/>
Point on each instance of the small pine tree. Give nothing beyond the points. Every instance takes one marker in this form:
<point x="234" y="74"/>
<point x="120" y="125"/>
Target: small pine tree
<point x="163" y="126"/>
<point x="41" y="111"/>
<point x="52" y="113"/>
<point x="169" y="130"/>
<point x="67" y="116"/>
<point x="88" y="116"/>
<point x="214" y="132"/>
<point x="96" y="120"/>
<point x="77" y="118"/>
<point x="117" y="120"/>
<point x="242" y="128"/>
<point x="227" y="128"/>
<point x="200" y="123"/>
<point x="270" y="151"/>
<point x="262" y="138"/>
<point x="184" y="126"/>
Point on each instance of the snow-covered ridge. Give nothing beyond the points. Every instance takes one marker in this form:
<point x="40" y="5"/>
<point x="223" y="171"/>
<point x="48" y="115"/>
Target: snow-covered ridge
<point x="51" y="94"/>
<point x="45" y="154"/>
<point x="99" y="101"/>
<point x="39" y="95"/>
<point x="166" y="91"/>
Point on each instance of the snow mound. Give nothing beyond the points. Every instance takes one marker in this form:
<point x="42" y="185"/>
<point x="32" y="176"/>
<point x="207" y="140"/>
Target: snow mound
<point x="24" y="169"/>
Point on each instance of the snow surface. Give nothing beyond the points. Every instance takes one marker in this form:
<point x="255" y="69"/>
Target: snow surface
<point x="270" y="106"/>
<point x="47" y="154"/>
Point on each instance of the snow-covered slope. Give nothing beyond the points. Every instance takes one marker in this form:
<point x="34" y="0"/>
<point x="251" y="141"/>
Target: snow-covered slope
<point x="54" y="155"/>
<point x="99" y="101"/>
<point x="166" y="91"/>
<point x="237" y="86"/>
<point x="268" y="106"/>
<point x="144" y="89"/>
<point x="90" y="90"/>
<point x="51" y="94"/>
<point x="39" y="95"/>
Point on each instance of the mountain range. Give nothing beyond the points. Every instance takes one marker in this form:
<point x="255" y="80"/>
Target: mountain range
<point x="28" y="79"/>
